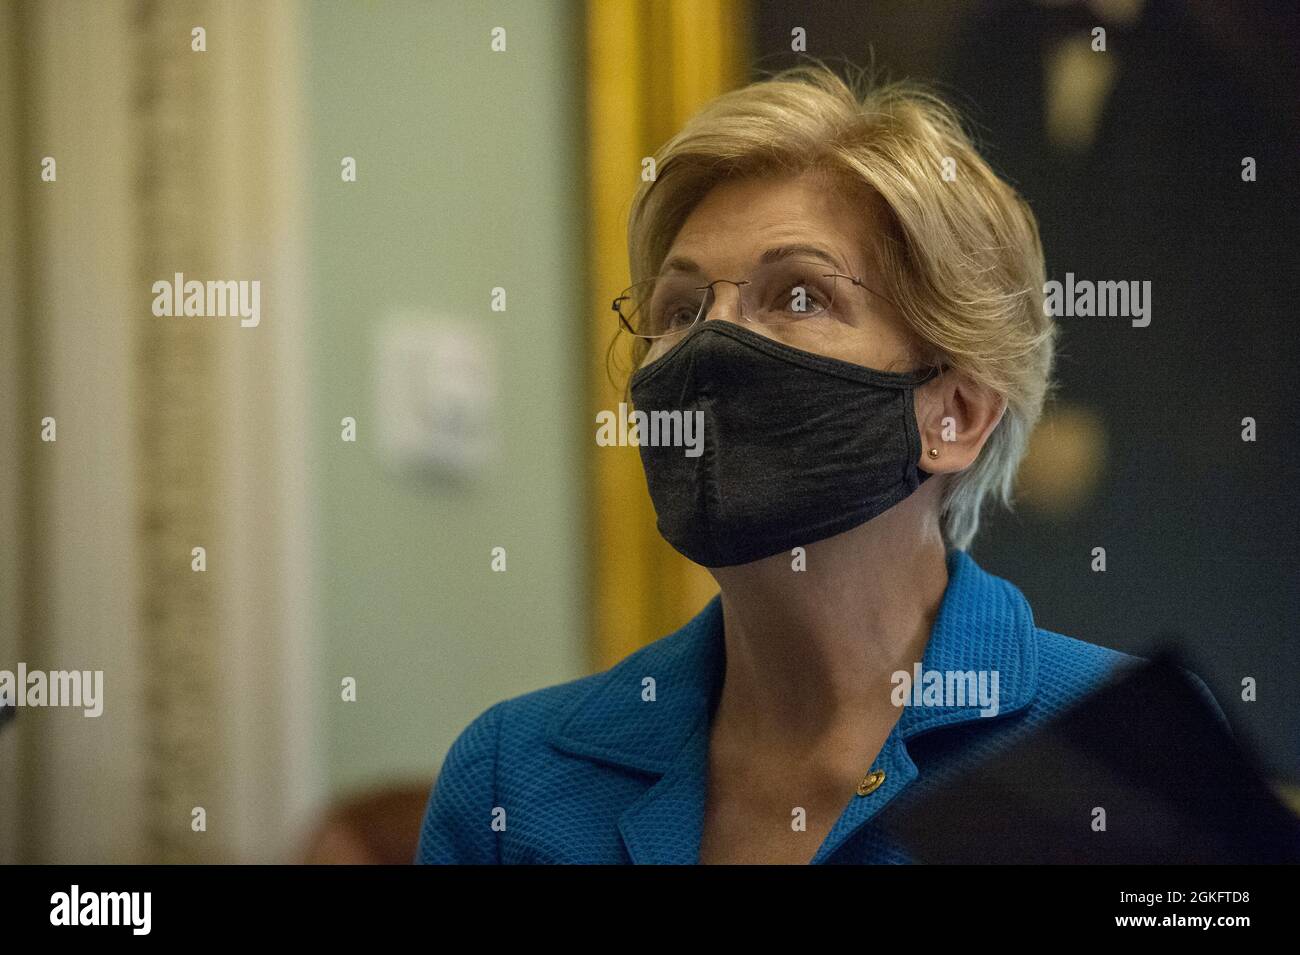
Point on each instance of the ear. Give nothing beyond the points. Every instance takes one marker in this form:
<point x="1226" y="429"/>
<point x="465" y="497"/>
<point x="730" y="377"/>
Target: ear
<point x="955" y="416"/>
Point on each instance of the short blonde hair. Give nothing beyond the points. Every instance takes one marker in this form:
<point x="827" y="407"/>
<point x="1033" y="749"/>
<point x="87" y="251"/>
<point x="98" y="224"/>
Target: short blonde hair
<point x="961" y="252"/>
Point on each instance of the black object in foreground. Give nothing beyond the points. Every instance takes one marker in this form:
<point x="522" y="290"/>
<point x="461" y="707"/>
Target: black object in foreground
<point x="1149" y="750"/>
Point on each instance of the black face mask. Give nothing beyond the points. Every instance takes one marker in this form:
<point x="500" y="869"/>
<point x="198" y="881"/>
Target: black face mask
<point x="797" y="447"/>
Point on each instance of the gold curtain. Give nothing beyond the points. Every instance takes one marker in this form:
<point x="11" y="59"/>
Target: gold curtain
<point x="651" y="64"/>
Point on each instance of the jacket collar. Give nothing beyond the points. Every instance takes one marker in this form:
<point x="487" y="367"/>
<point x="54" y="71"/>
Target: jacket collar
<point x="984" y="624"/>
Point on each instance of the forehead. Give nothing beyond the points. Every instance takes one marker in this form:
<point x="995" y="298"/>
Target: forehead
<point x="739" y="219"/>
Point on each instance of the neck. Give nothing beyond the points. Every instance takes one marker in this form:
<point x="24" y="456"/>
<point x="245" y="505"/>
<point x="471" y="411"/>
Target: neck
<point x="810" y="654"/>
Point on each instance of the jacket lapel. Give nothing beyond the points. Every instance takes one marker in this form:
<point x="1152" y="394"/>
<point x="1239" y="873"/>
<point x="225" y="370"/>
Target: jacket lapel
<point x="617" y="723"/>
<point x="665" y="826"/>
<point x="624" y="720"/>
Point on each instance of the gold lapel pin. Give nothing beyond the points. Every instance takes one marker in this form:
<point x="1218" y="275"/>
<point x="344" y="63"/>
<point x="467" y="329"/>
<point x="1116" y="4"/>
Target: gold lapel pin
<point x="871" y="782"/>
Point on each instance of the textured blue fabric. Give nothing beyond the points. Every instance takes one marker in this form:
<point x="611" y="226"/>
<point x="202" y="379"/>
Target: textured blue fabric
<point x="588" y="772"/>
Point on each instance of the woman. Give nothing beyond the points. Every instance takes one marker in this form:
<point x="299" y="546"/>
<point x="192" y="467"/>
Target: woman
<point x="845" y="296"/>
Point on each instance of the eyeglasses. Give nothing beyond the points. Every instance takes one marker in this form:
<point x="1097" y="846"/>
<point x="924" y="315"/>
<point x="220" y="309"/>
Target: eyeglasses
<point x="779" y="293"/>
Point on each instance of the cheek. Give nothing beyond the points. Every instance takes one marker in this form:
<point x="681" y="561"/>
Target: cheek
<point x="895" y="344"/>
<point x="656" y="349"/>
<point x="876" y="344"/>
<point x="880" y="347"/>
<point x="885" y="342"/>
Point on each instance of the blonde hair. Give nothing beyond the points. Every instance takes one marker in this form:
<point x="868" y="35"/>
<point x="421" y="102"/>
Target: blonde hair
<point x="960" y="253"/>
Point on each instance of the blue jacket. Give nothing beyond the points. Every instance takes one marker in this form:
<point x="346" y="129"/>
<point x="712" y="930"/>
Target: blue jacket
<point x="589" y="772"/>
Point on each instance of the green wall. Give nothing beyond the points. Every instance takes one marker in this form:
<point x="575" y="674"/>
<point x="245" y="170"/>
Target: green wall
<point x="470" y="176"/>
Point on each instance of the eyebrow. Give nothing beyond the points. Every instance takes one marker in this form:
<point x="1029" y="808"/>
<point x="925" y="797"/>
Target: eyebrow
<point x="680" y="263"/>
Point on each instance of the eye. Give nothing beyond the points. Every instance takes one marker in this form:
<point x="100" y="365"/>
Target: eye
<point x="675" y="313"/>
<point x="803" y="299"/>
